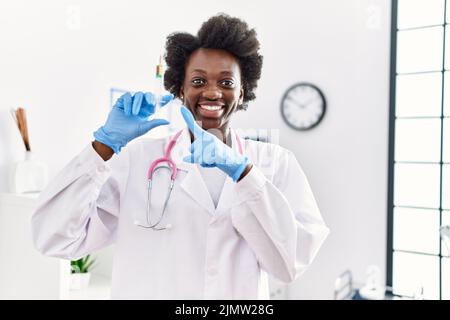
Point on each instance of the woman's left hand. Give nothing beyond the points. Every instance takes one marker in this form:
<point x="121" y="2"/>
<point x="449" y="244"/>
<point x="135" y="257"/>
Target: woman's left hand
<point x="208" y="151"/>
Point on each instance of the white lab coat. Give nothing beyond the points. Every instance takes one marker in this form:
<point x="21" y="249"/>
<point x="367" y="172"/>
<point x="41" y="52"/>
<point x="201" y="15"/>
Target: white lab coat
<point x="268" y="222"/>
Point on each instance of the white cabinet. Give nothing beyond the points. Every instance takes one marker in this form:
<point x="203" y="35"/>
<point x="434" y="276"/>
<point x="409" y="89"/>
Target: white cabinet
<point x="27" y="274"/>
<point x="24" y="272"/>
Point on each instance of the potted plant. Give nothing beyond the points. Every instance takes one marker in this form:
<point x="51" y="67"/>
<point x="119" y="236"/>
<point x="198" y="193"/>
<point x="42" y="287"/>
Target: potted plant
<point x="80" y="270"/>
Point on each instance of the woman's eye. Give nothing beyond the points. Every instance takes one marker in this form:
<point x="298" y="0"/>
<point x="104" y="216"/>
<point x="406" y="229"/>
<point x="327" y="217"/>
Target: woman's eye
<point x="197" y="81"/>
<point x="228" y="83"/>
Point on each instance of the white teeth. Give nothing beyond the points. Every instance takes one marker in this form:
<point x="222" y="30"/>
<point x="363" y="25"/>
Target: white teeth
<point x="210" y="108"/>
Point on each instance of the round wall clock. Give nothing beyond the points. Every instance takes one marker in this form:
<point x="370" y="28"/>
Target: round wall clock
<point x="303" y="106"/>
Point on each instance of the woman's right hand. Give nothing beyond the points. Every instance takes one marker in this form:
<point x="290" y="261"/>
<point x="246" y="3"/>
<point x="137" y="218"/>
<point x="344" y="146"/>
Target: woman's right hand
<point x="128" y="119"/>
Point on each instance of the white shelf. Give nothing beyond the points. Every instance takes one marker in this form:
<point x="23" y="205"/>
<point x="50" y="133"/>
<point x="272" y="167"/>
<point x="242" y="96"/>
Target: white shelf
<point x="24" y="272"/>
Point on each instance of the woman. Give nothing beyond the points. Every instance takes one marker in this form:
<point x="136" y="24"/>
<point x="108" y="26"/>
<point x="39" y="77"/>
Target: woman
<point x="238" y="210"/>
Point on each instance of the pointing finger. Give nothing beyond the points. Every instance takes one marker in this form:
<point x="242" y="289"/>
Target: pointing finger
<point x="190" y="121"/>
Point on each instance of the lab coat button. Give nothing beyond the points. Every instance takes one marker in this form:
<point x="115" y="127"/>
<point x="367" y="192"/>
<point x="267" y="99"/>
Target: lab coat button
<point x="101" y="168"/>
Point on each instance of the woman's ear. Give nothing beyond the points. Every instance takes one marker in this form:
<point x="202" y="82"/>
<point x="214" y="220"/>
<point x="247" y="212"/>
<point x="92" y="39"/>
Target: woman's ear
<point x="241" y="96"/>
<point x="181" y="93"/>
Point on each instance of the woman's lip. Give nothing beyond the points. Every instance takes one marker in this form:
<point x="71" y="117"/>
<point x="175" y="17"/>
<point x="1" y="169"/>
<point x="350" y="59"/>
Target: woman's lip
<point x="210" y="113"/>
<point x="211" y="104"/>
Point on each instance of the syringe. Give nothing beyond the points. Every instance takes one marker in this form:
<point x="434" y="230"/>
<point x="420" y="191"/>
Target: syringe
<point x="163" y="113"/>
<point x="159" y="83"/>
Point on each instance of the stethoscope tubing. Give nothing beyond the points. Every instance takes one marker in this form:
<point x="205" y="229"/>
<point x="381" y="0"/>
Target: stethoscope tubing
<point x="172" y="167"/>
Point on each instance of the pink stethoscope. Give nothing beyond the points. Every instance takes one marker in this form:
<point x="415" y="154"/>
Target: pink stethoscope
<point x="172" y="167"/>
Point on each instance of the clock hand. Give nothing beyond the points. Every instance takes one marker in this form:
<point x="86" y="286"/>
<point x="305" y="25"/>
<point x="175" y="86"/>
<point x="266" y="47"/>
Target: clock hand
<point x="306" y="103"/>
<point x="301" y="106"/>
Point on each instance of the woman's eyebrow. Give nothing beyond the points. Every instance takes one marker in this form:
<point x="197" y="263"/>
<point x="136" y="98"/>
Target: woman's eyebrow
<point x="198" y="70"/>
<point x="226" y="73"/>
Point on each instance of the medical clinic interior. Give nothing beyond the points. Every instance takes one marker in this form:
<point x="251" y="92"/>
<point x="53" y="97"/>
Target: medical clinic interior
<point x="353" y="96"/>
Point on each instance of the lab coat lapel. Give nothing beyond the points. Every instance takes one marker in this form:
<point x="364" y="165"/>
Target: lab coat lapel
<point x="192" y="183"/>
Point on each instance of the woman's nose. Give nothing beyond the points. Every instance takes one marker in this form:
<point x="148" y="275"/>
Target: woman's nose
<point x="212" y="94"/>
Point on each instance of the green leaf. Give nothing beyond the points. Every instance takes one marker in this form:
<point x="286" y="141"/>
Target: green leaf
<point x="82" y="265"/>
<point x="88" y="265"/>
<point x="76" y="269"/>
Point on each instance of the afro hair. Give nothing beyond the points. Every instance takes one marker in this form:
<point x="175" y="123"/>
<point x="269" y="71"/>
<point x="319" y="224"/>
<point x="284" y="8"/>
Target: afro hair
<point x="218" y="32"/>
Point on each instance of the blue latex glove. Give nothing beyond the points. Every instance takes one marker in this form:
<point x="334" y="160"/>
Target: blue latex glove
<point x="208" y="151"/>
<point x="128" y="119"/>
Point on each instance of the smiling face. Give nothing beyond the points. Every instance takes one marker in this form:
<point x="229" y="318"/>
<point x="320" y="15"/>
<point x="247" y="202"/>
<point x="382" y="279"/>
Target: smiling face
<point x="212" y="87"/>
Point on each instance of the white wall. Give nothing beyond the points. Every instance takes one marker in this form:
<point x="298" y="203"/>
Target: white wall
<point x="60" y="66"/>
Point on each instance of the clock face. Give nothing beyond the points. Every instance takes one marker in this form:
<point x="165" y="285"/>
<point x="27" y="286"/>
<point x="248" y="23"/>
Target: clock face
<point x="303" y="106"/>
